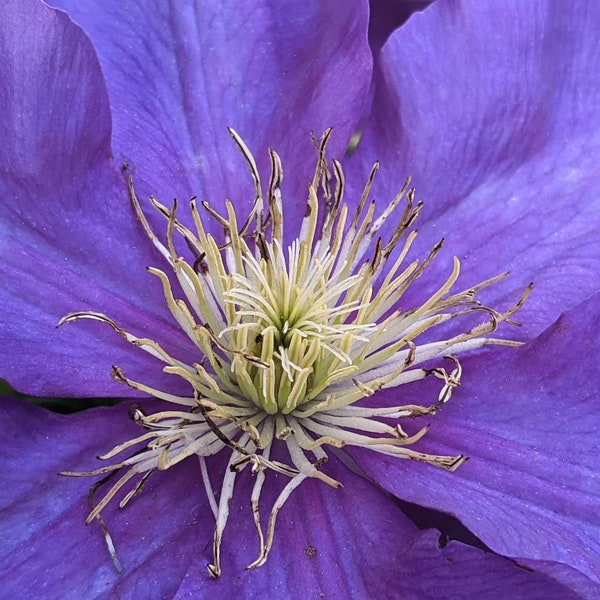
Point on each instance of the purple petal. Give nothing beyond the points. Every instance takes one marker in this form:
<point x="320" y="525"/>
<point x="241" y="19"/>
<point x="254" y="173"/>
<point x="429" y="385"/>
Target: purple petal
<point x="353" y="542"/>
<point x="43" y="514"/>
<point x="469" y="573"/>
<point x="494" y="113"/>
<point x="570" y="578"/>
<point x="528" y="418"/>
<point x="69" y="240"/>
<point x="272" y="72"/>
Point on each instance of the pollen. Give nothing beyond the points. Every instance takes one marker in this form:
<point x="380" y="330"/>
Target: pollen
<point x="293" y="333"/>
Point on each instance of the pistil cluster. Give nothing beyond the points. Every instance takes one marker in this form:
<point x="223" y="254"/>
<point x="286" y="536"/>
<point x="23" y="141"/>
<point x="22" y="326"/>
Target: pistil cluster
<point x="291" y="338"/>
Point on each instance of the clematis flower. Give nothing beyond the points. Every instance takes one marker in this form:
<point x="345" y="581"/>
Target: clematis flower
<point x="135" y="104"/>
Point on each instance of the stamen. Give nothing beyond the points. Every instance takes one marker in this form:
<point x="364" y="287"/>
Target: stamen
<point x="291" y="338"/>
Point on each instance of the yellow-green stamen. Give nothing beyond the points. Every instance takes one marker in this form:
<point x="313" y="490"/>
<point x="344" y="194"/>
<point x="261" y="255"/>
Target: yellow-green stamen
<point x="291" y="338"/>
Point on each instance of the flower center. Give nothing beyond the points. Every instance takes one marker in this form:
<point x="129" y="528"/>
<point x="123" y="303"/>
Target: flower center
<point x="287" y="319"/>
<point x="291" y="339"/>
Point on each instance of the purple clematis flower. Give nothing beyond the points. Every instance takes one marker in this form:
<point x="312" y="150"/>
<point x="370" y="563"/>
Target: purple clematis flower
<point x="493" y="112"/>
